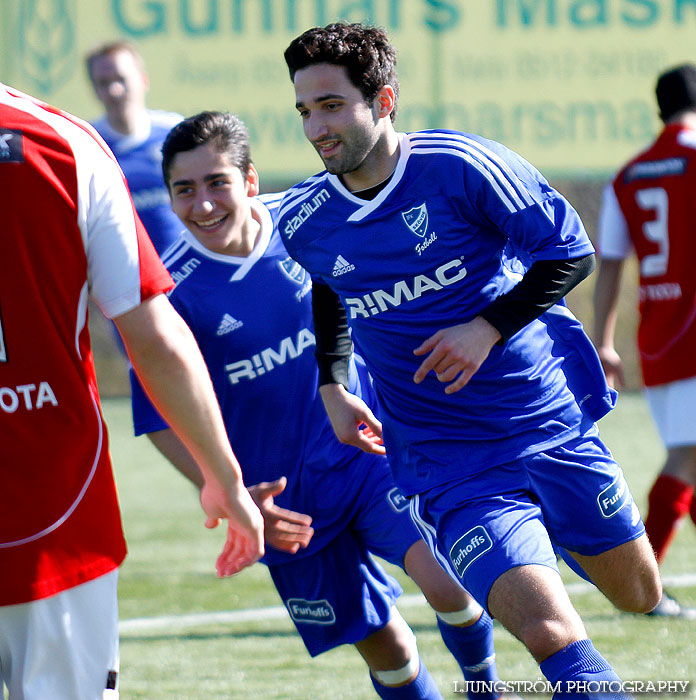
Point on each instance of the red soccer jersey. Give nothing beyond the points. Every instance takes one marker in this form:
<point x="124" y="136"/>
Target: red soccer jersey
<point x="69" y="231"/>
<point x="652" y="206"/>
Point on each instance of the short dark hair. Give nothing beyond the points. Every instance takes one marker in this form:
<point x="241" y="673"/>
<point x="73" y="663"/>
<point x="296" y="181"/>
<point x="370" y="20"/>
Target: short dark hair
<point x="112" y="47"/>
<point x="364" y="51"/>
<point x="225" y="130"/>
<point x="676" y="90"/>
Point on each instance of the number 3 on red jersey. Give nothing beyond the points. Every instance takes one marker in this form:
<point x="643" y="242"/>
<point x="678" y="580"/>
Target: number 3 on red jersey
<point x="655" y="199"/>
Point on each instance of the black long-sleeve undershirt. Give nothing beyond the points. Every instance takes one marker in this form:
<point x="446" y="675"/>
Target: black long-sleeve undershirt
<point x="333" y="343"/>
<point x="543" y="285"/>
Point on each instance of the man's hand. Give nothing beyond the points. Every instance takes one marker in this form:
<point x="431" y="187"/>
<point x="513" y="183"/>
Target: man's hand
<point x="352" y="420"/>
<point x="456" y="353"/>
<point x="285" y="529"/>
<point x="244" y="544"/>
<point x="613" y="366"/>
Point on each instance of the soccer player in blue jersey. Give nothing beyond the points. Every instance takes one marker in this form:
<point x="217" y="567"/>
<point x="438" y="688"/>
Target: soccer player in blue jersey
<point x="134" y="133"/>
<point x="448" y="256"/>
<point x="328" y="507"/>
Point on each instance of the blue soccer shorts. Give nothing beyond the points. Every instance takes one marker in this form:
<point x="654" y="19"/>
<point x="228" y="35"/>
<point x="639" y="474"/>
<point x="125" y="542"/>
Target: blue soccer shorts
<point x="571" y="497"/>
<point x="340" y="594"/>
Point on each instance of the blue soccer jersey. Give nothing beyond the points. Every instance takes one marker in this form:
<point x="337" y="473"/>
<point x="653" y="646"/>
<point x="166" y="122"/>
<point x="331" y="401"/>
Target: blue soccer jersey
<point x="458" y="222"/>
<point x="140" y="158"/>
<point x="252" y="319"/>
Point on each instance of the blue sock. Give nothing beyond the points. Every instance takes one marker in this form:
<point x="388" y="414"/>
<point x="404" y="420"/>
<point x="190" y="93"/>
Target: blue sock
<point x="422" y="687"/>
<point x="582" y="672"/>
<point x="473" y="649"/>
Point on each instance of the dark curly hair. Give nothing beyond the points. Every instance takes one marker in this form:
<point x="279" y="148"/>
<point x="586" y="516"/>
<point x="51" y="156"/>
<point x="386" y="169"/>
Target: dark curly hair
<point x="227" y="131"/>
<point x="365" y="52"/>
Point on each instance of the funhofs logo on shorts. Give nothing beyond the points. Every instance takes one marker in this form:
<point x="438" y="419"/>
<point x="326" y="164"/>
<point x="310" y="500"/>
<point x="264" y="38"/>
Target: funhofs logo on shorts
<point x="614" y="497"/>
<point x="397" y="500"/>
<point x="315" y="612"/>
<point x="468" y="548"/>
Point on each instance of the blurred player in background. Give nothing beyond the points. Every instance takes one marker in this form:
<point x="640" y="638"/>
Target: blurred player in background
<point x="134" y="133"/>
<point x="650" y="208"/>
<point x="447" y="255"/>
<point x="249" y="306"/>
<point x="70" y="232"/>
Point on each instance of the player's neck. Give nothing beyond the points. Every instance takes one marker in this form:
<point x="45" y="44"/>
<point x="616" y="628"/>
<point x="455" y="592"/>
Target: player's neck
<point x="243" y="245"/>
<point x="689" y="120"/>
<point x="370" y="193"/>
<point x="378" y="166"/>
<point x="127" y="122"/>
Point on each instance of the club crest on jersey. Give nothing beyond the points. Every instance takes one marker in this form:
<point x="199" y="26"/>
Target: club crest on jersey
<point x="11" y="150"/>
<point x="293" y="270"/>
<point x="417" y="219"/>
<point x="317" y="612"/>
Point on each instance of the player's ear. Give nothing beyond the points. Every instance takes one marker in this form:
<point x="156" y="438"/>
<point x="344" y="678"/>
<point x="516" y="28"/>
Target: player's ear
<point x="252" y="181"/>
<point x="385" y="101"/>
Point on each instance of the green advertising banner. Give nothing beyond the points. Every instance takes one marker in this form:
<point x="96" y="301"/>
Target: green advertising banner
<point x="567" y="83"/>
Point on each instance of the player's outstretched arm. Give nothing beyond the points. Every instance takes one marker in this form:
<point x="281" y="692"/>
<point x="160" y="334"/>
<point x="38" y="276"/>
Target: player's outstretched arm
<point x="170" y="446"/>
<point x="606" y="297"/>
<point x="285" y="529"/>
<point x="351" y="418"/>
<point x="168" y="363"/>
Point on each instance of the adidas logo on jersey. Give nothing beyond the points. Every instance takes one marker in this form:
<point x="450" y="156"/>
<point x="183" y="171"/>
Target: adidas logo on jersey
<point x="341" y="266"/>
<point x="228" y="324"/>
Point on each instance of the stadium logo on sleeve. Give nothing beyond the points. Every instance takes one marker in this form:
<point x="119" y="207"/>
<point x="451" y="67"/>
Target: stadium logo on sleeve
<point x="469" y="547"/>
<point x="314" y="612"/>
<point x="305" y="211"/>
<point x="11" y="146"/>
<point x="397" y="500"/>
<point x="614" y="497"/>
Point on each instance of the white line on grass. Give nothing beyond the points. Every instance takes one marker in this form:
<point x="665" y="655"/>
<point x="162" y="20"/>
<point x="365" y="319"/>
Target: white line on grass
<point x="178" y="622"/>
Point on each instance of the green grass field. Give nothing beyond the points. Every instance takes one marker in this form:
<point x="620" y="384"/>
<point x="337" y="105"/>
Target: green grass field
<point x="169" y="574"/>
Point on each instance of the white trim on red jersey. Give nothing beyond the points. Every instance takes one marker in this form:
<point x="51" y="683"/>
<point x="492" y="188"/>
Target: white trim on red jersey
<point x="613" y="240"/>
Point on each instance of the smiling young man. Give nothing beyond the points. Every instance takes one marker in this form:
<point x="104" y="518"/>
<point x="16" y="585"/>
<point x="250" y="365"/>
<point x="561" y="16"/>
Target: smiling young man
<point x="448" y="255"/>
<point x="328" y="507"/>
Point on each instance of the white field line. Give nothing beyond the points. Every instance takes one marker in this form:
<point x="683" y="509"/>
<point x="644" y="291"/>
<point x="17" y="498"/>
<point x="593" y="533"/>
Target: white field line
<point x="179" y="622"/>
